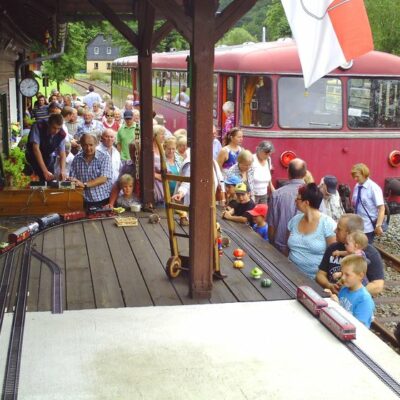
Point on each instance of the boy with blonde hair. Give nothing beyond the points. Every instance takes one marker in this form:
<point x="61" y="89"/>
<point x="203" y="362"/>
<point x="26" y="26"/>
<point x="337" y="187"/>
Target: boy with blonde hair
<point x="353" y="296"/>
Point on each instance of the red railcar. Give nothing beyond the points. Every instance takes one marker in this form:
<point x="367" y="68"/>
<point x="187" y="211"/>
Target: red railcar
<point x="311" y="299"/>
<point x="351" y="115"/>
<point x="337" y="323"/>
<point x="19" y="235"/>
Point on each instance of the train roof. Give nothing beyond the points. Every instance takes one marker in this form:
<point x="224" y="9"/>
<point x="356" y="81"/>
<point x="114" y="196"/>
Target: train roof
<point x="270" y="57"/>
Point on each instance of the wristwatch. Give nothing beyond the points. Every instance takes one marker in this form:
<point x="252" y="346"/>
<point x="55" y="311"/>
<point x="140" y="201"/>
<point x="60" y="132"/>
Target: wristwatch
<point x="85" y="185"/>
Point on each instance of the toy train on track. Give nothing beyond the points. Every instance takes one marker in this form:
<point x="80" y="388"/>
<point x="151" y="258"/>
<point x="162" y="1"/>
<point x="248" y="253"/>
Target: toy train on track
<point x="47" y="221"/>
<point x="339" y="325"/>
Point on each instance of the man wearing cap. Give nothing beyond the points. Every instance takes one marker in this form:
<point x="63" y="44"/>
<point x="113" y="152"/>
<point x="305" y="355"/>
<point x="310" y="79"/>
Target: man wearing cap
<point x="238" y="208"/>
<point x="92" y="97"/>
<point x="282" y="205"/>
<point x="331" y="204"/>
<point x="126" y="135"/>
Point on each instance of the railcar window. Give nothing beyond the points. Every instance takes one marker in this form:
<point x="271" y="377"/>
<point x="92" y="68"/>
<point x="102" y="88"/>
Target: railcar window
<point x="256" y="103"/>
<point x="154" y="83"/>
<point x="174" y="84"/>
<point x="320" y="107"/>
<point x="374" y="103"/>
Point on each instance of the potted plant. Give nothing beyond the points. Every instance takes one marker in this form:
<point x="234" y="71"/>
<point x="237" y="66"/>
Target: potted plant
<point x="13" y="167"/>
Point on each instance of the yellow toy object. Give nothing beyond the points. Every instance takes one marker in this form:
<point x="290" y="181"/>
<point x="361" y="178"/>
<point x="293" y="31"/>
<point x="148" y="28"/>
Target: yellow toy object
<point x="238" y="264"/>
<point x="119" y="210"/>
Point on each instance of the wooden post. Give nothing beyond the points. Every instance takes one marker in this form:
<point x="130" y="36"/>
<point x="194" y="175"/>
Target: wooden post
<point x="146" y="26"/>
<point x="201" y="188"/>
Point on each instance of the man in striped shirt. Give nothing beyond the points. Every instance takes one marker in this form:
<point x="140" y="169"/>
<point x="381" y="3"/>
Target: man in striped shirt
<point x="91" y="170"/>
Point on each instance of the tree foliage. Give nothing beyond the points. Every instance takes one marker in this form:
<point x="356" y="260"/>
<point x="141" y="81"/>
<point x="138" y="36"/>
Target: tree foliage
<point x="384" y="18"/>
<point x="237" y="36"/>
<point x="276" y="22"/>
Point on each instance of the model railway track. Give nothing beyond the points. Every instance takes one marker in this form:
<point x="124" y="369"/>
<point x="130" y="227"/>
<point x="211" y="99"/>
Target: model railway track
<point x="395" y="260"/>
<point x="57" y="297"/>
<point x="85" y="84"/>
<point x="5" y="283"/>
<point x="11" y="376"/>
<point x="291" y="290"/>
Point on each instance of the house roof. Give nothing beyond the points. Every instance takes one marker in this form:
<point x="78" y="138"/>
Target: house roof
<point x="102" y="44"/>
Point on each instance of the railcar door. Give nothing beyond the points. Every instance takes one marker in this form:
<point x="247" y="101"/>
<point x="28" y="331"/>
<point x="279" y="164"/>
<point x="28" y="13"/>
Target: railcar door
<point x="228" y="92"/>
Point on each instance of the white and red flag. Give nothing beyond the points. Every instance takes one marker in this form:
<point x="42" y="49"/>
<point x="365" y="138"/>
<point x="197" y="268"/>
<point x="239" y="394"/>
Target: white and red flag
<point x="328" y="33"/>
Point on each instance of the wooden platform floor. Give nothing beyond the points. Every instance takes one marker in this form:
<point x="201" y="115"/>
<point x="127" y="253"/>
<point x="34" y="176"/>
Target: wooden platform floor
<point x="109" y="267"/>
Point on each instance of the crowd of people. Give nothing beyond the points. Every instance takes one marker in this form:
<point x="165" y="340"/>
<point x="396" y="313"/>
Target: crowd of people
<point x="93" y="143"/>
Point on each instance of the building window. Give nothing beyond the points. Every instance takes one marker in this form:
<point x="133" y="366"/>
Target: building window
<point x="96" y="65"/>
<point x="108" y="50"/>
<point x="96" y="50"/>
<point x="108" y="66"/>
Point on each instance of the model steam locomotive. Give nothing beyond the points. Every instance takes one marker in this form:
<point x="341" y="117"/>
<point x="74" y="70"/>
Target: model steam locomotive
<point x="339" y="325"/>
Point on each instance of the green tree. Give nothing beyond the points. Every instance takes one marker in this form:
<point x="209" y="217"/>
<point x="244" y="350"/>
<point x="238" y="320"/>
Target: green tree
<point x="384" y="16"/>
<point x="276" y="22"/>
<point x="237" y="36"/>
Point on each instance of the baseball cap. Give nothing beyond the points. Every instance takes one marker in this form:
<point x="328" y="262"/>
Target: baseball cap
<point x="331" y="183"/>
<point x="128" y="114"/>
<point x="259" y="209"/>
<point x="241" y="188"/>
<point x="232" y="180"/>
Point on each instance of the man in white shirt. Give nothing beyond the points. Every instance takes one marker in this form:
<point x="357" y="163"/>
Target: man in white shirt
<point x="107" y="146"/>
<point x="91" y="97"/>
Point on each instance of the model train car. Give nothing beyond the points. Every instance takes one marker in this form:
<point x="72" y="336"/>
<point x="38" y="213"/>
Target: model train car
<point x="311" y="300"/>
<point x="73" y="216"/>
<point x="19" y="235"/>
<point x="49" y="220"/>
<point x="339" y="325"/>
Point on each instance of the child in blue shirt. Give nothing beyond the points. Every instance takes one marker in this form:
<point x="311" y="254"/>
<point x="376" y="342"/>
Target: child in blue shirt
<point x="259" y="213"/>
<point x="353" y="296"/>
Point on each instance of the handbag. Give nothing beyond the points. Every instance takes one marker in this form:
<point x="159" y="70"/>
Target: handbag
<point x="385" y="222"/>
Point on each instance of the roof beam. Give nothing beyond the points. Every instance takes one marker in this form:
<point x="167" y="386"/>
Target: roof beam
<point x="146" y="19"/>
<point x="173" y="12"/>
<point x="115" y="21"/>
<point x="230" y="15"/>
<point x="161" y="33"/>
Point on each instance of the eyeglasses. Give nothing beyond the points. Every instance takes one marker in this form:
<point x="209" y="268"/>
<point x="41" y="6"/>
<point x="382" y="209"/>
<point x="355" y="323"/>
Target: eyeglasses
<point x="109" y="115"/>
<point x="298" y="199"/>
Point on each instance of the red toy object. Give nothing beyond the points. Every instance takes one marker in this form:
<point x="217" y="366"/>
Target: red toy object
<point x="311" y="299"/>
<point x="219" y="243"/>
<point x="238" y="253"/>
<point x="339" y="325"/>
<point x="73" y="216"/>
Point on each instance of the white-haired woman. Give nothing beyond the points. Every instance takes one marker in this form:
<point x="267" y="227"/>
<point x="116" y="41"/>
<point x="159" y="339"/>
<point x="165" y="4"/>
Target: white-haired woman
<point x="244" y="170"/>
<point x="229" y="110"/>
<point x="262" y="172"/>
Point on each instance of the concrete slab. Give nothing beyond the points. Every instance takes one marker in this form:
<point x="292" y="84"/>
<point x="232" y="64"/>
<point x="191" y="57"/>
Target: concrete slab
<point x="266" y="350"/>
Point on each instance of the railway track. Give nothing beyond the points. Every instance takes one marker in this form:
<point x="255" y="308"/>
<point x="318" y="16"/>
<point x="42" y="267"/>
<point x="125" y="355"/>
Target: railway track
<point x="84" y="84"/>
<point x="379" y="325"/>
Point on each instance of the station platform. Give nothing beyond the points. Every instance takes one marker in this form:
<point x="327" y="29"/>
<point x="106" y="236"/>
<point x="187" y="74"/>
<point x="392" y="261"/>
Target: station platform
<point x="259" y="350"/>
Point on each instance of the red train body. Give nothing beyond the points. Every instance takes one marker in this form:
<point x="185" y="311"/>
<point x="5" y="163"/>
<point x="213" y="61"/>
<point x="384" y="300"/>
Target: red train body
<point x="339" y="325"/>
<point x="73" y="216"/>
<point x="311" y="300"/>
<point x="19" y="235"/>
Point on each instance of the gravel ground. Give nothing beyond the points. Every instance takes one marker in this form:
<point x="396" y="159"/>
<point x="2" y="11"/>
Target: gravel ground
<point x="390" y="241"/>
